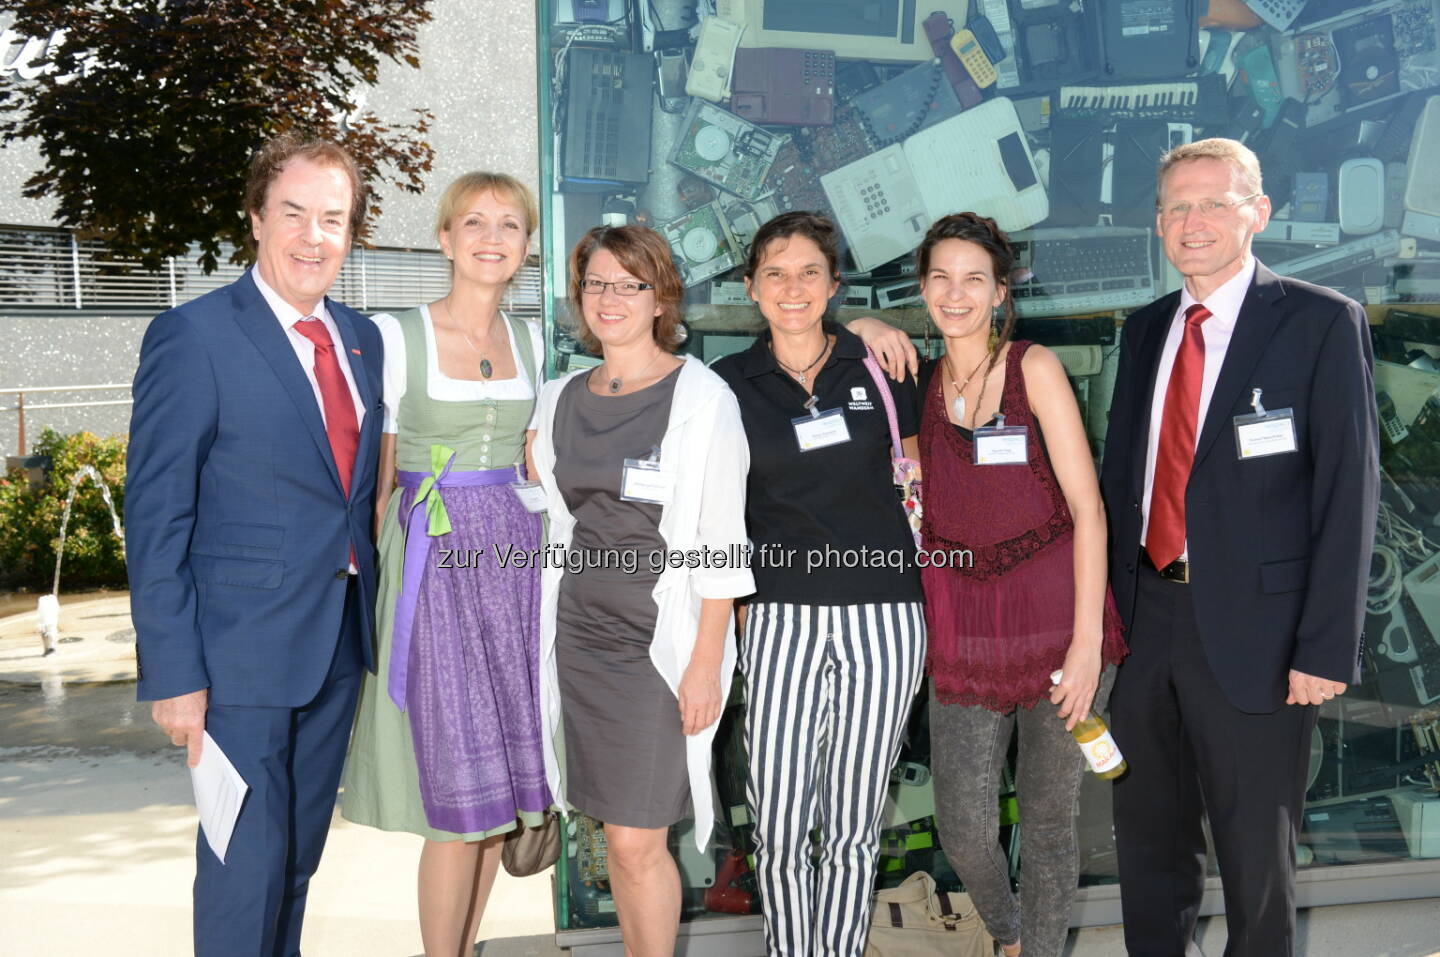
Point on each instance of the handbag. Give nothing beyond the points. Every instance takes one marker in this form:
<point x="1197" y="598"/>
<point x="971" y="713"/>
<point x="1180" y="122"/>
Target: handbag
<point x="529" y="850"/>
<point x="904" y="471"/>
<point x="916" y="920"/>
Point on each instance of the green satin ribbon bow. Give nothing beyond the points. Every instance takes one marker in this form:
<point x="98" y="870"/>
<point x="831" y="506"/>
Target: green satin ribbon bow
<point x="438" y="520"/>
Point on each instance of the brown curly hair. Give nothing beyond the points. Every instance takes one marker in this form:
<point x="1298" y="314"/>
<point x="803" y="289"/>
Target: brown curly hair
<point x="644" y="254"/>
<point x="985" y="233"/>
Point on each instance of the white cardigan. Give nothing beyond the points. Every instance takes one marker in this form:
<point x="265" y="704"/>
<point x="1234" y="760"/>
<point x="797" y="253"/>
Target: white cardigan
<point x="705" y="447"/>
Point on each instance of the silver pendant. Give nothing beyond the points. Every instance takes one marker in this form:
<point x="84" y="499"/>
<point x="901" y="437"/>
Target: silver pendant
<point x="801" y="378"/>
<point x="959" y="406"/>
<point x="614" y="386"/>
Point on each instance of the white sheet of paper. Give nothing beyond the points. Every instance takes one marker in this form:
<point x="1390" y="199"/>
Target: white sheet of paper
<point x="219" y="792"/>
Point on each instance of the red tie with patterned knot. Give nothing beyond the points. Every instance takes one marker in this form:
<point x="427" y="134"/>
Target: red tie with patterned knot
<point x="341" y="426"/>
<point x="1175" y="453"/>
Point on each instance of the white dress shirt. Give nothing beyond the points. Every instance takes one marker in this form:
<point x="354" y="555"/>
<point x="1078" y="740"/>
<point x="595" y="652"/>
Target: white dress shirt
<point x="288" y="315"/>
<point x="1224" y="305"/>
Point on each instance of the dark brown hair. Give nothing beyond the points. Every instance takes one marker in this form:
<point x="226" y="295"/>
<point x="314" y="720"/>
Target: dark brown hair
<point x="270" y="160"/>
<point x="644" y="254"/>
<point x="983" y="232"/>
<point x="798" y="222"/>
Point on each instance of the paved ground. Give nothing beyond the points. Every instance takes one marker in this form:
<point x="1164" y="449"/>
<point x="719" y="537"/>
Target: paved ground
<point x="97" y="828"/>
<point x="97" y="834"/>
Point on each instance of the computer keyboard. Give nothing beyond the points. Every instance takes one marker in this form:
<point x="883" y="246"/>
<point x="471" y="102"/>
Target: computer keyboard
<point x="1082" y="269"/>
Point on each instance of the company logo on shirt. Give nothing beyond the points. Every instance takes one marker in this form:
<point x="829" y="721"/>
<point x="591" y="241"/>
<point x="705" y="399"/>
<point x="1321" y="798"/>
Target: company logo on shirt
<point x="860" y="400"/>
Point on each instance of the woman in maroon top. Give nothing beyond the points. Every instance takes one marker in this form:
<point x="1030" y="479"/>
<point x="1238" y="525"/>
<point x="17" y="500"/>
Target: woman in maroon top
<point x="1024" y="502"/>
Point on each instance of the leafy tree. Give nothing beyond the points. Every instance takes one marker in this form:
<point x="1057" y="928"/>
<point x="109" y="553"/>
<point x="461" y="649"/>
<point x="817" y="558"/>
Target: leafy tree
<point x="153" y="107"/>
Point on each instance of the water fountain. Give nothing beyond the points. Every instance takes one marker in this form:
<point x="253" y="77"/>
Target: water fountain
<point x="48" y="608"/>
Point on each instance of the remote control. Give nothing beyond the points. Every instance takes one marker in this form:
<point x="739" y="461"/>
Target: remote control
<point x="985" y="35"/>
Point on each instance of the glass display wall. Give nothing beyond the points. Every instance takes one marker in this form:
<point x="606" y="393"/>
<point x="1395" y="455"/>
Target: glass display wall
<point x="705" y="119"/>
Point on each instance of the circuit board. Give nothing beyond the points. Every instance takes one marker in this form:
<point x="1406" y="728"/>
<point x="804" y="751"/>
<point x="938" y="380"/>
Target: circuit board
<point x="723" y="149"/>
<point x="827" y="148"/>
<point x="795" y="182"/>
<point x="701" y="243"/>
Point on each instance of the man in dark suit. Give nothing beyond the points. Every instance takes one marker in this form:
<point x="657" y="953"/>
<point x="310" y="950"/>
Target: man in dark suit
<point x="1241" y="480"/>
<point x="253" y="447"/>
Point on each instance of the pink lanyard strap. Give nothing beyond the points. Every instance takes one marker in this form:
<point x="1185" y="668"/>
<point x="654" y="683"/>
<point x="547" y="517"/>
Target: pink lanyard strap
<point x="873" y="365"/>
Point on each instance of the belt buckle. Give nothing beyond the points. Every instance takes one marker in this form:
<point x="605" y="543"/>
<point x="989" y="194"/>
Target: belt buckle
<point x="1177" y="571"/>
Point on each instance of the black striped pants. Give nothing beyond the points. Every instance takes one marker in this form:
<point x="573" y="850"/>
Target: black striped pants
<point x="828" y="689"/>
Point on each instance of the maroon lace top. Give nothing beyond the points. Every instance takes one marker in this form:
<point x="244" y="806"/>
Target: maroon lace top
<point x="1000" y="622"/>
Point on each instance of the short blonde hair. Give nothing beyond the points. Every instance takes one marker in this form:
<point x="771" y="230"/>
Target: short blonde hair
<point x="503" y="185"/>
<point x="1237" y="154"/>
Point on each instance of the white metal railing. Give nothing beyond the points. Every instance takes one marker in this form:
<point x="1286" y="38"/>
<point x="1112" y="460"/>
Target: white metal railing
<point x="21" y="405"/>
<point x="51" y="268"/>
<point x="371" y="280"/>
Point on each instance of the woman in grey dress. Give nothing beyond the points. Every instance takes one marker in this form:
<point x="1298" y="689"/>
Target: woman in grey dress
<point x="642" y="458"/>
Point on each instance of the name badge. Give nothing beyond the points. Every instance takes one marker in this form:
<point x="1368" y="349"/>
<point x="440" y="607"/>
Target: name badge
<point x="820" y="430"/>
<point x="642" y="480"/>
<point x="1001" y="444"/>
<point x="1266" y="432"/>
<point x="531" y="495"/>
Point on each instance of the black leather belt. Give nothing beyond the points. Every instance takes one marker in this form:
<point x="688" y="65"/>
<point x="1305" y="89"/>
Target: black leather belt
<point x="1177" y="571"/>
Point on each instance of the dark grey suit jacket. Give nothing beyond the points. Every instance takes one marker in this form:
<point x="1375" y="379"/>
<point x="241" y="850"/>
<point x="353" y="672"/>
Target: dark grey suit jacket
<point x="1279" y="546"/>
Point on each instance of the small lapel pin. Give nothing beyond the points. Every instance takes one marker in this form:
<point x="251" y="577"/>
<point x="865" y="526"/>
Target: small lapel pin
<point x="356" y="351"/>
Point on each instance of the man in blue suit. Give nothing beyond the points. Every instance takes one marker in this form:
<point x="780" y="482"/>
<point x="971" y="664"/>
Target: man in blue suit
<point x="253" y="447"/>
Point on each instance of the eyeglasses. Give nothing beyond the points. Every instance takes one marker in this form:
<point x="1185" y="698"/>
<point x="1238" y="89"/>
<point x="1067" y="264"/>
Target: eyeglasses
<point x="1207" y="208"/>
<point x="623" y="287"/>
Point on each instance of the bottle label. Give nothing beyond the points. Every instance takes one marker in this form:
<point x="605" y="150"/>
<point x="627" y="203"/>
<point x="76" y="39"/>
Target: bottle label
<point x="1101" y="753"/>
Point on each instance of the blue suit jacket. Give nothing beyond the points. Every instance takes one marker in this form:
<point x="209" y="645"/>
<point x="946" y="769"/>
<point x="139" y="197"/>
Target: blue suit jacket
<point x="238" y="531"/>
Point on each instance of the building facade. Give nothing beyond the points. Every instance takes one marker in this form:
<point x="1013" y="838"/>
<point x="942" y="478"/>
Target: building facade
<point x="70" y="314"/>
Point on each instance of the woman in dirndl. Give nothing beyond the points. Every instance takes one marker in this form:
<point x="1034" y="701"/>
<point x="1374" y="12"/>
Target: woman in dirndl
<point x="447" y="736"/>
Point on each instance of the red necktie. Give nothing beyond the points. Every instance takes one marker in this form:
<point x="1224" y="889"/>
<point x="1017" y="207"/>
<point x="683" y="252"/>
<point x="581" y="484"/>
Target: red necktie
<point x="1175" y="453"/>
<point x="341" y="426"/>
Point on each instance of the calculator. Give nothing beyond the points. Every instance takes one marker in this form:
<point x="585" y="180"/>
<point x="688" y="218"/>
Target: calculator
<point x="1393" y="429"/>
<point x="973" y="58"/>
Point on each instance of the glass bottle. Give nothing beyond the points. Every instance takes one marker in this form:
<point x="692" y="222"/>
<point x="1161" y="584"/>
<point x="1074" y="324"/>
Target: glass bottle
<point x="1099" y="748"/>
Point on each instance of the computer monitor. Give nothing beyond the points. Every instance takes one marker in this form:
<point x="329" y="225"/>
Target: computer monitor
<point x="888" y="30"/>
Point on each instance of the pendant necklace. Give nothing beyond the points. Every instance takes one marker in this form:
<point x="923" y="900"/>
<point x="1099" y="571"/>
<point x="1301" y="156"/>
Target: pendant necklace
<point x="486" y="368"/>
<point x="959" y="404"/>
<point x="615" y="383"/>
<point x="802" y="375"/>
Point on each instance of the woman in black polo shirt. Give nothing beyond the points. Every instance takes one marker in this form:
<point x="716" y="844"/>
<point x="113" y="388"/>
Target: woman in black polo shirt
<point x="834" y="640"/>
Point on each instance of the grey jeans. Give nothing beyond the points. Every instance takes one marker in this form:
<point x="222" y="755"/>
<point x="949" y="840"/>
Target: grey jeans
<point x="968" y="746"/>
